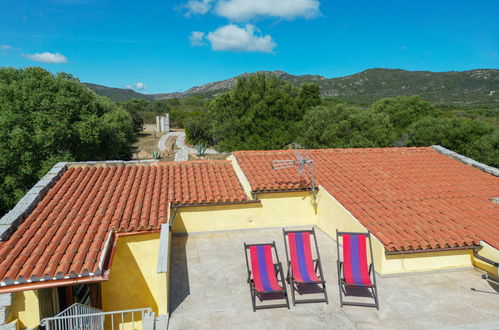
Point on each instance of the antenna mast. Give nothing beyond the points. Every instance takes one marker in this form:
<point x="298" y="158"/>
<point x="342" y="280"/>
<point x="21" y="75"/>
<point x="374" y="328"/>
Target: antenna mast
<point x="302" y="163"/>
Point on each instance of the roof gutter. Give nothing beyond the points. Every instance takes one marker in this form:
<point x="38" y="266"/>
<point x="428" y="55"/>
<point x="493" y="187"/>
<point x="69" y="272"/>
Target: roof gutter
<point x="457" y="248"/>
<point x="54" y="283"/>
<point x="176" y="206"/>
<point x="273" y="191"/>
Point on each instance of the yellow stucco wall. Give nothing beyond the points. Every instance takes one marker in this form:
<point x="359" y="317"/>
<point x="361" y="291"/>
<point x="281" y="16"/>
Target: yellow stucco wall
<point x="332" y="215"/>
<point x="133" y="281"/>
<point x="274" y="210"/>
<point x="25" y="309"/>
<point x="426" y="261"/>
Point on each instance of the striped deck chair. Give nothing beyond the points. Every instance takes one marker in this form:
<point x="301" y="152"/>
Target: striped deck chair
<point x="262" y="276"/>
<point x="354" y="269"/>
<point x="303" y="269"/>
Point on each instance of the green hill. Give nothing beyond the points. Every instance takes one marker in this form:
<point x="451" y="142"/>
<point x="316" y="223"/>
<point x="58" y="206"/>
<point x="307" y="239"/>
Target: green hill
<point x="117" y="94"/>
<point x="465" y="88"/>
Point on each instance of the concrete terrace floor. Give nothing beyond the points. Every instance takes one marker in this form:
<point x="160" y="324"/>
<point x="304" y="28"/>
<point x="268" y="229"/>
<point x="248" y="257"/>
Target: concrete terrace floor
<point x="209" y="291"/>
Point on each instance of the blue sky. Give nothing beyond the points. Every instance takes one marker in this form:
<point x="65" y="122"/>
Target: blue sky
<point x="167" y="46"/>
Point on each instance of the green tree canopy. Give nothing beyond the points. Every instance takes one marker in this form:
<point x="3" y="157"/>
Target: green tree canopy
<point x="341" y="126"/>
<point x="198" y="129"/>
<point x="404" y="110"/>
<point x="261" y="112"/>
<point x="473" y="138"/>
<point x="45" y="119"/>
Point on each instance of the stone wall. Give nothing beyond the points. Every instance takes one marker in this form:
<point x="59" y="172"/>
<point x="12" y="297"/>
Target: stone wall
<point x="163" y="123"/>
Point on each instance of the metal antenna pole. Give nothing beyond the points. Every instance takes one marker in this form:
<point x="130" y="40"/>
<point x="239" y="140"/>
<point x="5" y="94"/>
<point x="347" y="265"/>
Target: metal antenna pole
<point x="300" y="163"/>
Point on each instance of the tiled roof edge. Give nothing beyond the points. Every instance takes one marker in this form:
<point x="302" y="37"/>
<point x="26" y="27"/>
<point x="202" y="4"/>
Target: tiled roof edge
<point x="10" y="221"/>
<point x="468" y="161"/>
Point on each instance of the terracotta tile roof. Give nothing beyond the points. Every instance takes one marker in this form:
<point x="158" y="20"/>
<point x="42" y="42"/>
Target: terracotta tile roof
<point x="409" y="198"/>
<point x="66" y="233"/>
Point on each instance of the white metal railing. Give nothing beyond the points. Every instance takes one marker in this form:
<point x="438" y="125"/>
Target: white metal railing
<point x="81" y="317"/>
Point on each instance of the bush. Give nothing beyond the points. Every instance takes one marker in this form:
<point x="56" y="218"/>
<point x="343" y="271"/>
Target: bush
<point x="404" y="110"/>
<point x="341" y="126"/>
<point x="472" y="138"/>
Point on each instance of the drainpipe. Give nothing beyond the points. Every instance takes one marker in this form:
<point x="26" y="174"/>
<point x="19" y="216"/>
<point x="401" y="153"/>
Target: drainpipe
<point x="486" y="260"/>
<point x="487" y="278"/>
<point x="490" y="262"/>
<point x="172" y="218"/>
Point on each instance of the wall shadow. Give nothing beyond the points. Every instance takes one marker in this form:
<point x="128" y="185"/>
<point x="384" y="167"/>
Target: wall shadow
<point x="179" y="276"/>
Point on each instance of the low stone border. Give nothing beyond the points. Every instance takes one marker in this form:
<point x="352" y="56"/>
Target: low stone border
<point x="486" y="168"/>
<point x="10" y="221"/>
<point x="183" y="151"/>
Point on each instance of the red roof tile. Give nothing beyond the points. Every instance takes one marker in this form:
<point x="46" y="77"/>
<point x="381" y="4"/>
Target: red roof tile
<point x="66" y="233"/>
<point x="410" y="198"/>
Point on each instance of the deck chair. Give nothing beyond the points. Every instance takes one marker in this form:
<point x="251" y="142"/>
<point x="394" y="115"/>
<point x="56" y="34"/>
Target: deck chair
<point x="353" y="269"/>
<point x="303" y="270"/>
<point x="262" y="276"/>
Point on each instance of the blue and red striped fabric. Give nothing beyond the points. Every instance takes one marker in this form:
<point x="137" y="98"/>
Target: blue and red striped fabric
<point x="302" y="263"/>
<point x="262" y="265"/>
<point x="355" y="259"/>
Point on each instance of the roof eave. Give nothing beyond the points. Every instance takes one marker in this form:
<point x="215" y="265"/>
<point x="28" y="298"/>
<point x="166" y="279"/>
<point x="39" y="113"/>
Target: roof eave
<point x="456" y="248"/>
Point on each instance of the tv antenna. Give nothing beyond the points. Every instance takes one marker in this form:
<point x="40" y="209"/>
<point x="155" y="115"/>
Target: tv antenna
<point x="303" y="164"/>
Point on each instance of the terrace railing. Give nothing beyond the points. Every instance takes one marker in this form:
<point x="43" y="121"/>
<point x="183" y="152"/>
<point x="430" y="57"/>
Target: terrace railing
<point x="82" y="317"/>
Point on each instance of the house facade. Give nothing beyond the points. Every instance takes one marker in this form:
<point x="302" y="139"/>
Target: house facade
<point x="99" y="233"/>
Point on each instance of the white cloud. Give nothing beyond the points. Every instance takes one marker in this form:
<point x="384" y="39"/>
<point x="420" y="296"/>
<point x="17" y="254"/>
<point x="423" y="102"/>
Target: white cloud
<point x="200" y="7"/>
<point x="197" y="38"/>
<point x="47" y="57"/>
<point x="244" y="10"/>
<point x="139" y="85"/>
<point x="5" y="47"/>
<point x="236" y="38"/>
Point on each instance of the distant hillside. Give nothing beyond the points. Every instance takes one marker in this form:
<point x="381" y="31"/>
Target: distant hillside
<point x="474" y="87"/>
<point x="116" y="94"/>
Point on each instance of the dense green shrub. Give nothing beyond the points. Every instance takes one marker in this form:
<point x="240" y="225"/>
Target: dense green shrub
<point x="261" y="112"/>
<point x="45" y="119"/>
<point x="472" y="138"/>
<point x="342" y="126"/>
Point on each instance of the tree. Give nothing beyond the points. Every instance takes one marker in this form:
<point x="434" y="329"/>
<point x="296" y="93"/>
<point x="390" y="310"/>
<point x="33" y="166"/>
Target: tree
<point x="45" y="119"/>
<point x="134" y="107"/>
<point x="341" y="126"/>
<point x="198" y="129"/>
<point x="261" y="112"/>
<point x="404" y="110"/>
<point x="472" y="138"/>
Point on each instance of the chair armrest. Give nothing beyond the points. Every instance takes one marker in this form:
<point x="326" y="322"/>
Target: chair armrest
<point x="370" y="268"/>
<point x="249" y="277"/>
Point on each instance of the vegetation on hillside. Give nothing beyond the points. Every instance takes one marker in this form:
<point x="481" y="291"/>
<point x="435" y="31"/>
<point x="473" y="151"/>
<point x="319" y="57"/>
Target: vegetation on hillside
<point x="263" y="112"/>
<point x="45" y="119"/>
<point x="145" y="111"/>
<point x="474" y="88"/>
